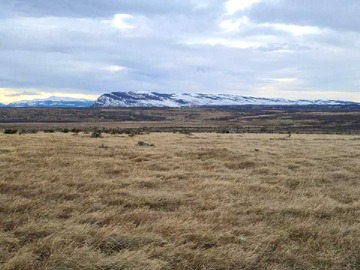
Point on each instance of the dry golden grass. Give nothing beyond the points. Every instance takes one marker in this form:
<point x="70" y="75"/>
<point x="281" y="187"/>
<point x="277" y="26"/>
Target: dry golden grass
<point x="203" y="201"/>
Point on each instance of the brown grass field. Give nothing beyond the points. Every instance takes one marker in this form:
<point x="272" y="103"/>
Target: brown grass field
<point x="201" y="201"/>
<point x="243" y="119"/>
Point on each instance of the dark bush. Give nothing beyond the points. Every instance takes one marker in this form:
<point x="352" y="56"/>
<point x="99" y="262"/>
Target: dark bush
<point x="96" y="134"/>
<point x="263" y="130"/>
<point x="75" y="130"/>
<point x="186" y="132"/>
<point x="30" y="131"/>
<point x="224" y="131"/>
<point x="10" y="131"/>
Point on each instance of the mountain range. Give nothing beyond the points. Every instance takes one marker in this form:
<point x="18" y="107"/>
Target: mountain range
<point x="59" y="102"/>
<point x="155" y="99"/>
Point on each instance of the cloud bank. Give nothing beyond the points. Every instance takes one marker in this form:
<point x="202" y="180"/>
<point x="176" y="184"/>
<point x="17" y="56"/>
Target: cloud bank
<point x="269" y="48"/>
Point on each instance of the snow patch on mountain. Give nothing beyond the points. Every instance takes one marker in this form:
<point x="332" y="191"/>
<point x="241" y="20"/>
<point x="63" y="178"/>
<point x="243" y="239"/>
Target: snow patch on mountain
<point x="154" y="99"/>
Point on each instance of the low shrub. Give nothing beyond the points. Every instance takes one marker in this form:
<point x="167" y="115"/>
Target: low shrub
<point x="75" y="130"/>
<point x="10" y="131"/>
<point x="142" y="143"/>
<point x="96" y="134"/>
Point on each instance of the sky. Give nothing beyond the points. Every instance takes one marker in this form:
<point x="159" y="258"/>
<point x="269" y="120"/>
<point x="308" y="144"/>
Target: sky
<point x="265" y="48"/>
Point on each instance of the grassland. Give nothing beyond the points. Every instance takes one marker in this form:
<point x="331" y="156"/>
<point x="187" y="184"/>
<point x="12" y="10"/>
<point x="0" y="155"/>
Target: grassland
<point x="201" y="201"/>
<point x="243" y="119"/>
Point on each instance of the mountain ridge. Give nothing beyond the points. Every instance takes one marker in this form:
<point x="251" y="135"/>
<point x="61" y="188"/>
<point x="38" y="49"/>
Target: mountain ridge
<point x="59" y="102"/>
<point x="155" y="99"/>
<point x="135" y="99"/>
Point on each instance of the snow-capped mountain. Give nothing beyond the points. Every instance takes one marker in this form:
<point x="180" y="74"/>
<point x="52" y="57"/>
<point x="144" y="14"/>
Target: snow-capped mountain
<point x="60" y="102"/>
<point x="154" y="99"/>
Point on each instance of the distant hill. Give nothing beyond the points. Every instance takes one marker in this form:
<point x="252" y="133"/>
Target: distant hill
<point x="58" y="102"/>
<point x="154" y="99"/>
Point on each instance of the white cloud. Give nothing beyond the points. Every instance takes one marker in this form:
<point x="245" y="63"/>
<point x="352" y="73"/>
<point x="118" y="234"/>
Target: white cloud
<point x="233" y="6"/>
<point x="296" y="30"/>
<point x="200" y="4"/>
<point x="285" y="80"/>
<point x="274" y="92"/>
<point x="123" y="22"/>
<point x="114" y="68"/>
<point x="232" y="25"/>
<point x="70" y="95"/>
<point x="230" y="43"/>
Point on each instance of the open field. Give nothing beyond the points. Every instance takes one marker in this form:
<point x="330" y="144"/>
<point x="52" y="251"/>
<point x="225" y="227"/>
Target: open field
<point x="243" y="119"/>
<point x="201" y="201"/>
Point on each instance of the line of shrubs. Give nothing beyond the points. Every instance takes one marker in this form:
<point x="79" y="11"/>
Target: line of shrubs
<point x="33" y="131"/>
<point x="96" y="132"/>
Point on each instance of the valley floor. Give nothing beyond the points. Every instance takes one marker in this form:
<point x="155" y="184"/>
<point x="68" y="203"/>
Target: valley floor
<point x="201" y="201"/>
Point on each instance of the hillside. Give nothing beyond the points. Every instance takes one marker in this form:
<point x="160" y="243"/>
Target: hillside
<point x="154" y="99"/>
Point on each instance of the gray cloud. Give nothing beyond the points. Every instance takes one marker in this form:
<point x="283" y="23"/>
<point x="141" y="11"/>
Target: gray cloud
<point x="100" y="8"/>
<point x="273" y="48"/>
<point x="336" y="14"/>
<point x="23" y="93"/>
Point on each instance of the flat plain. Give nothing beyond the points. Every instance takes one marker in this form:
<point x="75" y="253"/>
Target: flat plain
<point x="190" y="201"/>
<point x="243" y="119"/>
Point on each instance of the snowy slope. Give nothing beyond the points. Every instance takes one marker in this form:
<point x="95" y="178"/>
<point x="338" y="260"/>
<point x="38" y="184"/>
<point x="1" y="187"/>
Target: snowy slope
<point x="154" y="99"/>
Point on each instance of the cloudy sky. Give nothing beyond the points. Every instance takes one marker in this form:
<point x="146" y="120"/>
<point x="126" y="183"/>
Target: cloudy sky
<point x="268" y="48"/>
